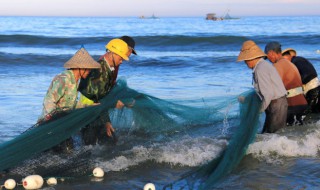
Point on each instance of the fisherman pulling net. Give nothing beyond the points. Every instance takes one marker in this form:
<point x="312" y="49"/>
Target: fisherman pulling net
<point x="149" y="115"/>
<point x="143" y="114"/>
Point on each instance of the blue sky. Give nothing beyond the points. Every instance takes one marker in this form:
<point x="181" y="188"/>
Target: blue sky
<point x="158" y="7"/>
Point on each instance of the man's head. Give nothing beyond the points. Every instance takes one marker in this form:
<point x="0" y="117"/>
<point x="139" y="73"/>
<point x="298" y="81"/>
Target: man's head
<point x="119" y="51"/>
<point x="250" y="53"/>
<point x="83" y="61"/>
<point x="273" y="51"/>
<point x="131" y="43"/>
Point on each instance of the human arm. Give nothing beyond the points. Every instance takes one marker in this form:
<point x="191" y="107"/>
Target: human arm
<point x="54" y="94"/>
<point x="109" y="129"/>
<point x="241" y="99"/>
<point x="105" y="118"/>
<point x="264" y="87"/>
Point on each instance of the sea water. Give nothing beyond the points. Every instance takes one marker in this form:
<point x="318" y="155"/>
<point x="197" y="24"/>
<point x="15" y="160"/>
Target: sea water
<point x="178" y="59"/>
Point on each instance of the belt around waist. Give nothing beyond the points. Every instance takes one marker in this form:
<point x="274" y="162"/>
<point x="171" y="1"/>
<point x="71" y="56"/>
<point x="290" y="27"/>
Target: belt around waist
<point x="314" y="83"/>
<point x="294" y="92"/>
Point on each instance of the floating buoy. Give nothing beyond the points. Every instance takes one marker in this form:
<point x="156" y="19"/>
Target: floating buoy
<point x="10" y="184"/>
<point x="52" y="181"/>
<point x="32" y="182"/>
<point x="98" y="172"/>
<point x="149" y="186"/>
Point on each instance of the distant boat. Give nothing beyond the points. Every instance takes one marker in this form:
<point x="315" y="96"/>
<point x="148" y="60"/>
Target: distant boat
<point x="152" y="17"/>
<point x="228" y="17"/>
<point x="212" y="16"/>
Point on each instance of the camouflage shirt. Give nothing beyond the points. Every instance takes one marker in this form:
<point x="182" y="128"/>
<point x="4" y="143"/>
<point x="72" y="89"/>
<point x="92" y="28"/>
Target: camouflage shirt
<point x="98" y="83"/>
<point x="61" y="95"/>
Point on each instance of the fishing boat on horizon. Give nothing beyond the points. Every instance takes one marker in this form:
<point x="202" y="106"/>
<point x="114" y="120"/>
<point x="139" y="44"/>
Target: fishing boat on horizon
<point x="212" y="16"/>
<point x="152" y="17"/>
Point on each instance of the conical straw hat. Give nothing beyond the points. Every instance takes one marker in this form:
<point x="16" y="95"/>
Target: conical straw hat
<point x="82" y="60"/>
<point x="250" y="51"/>
<point x="291" y="51"/>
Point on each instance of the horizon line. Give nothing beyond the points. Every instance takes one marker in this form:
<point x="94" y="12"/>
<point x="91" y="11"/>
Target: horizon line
<point x="146" y="17"/>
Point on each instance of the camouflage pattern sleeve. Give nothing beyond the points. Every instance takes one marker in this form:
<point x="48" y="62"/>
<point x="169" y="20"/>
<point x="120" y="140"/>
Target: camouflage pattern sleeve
<point x="54" y="94"/>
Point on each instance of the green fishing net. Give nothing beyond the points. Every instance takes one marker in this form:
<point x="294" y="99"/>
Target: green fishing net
<point x="207" y="176"/>
<point x="144" y="114"/>
<point x="148" y="115"/>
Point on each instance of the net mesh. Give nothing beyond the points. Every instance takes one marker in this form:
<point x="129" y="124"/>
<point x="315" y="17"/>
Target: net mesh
<point x="149" y="115"/>
<point x="207" y="176"/>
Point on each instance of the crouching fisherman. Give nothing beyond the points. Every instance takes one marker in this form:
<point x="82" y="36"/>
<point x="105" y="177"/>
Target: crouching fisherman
<point x="309" y="76"/>
<point x="63" y="90"/>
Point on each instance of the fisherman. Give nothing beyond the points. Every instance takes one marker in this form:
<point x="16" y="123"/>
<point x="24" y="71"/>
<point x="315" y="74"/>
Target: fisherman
<point x="309" y="78"/>
<point x="99" y="83"/>
<point x="63" y="91"/>
<point x="268" y="85"/>
<point x="297" y="104"/>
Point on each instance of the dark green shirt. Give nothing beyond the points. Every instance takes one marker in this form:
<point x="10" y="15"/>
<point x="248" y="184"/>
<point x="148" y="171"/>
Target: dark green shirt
<point x="98" y="83"/>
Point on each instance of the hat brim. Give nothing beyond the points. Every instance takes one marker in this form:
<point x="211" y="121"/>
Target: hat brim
<point x="134" y="51"/>
<point x="291" y="51"/>
<point x="246" y="56"/>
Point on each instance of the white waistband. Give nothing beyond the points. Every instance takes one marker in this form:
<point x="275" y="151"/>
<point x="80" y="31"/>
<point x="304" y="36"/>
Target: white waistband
<point x="314" y="83"/>
<point x="294" y="92"/>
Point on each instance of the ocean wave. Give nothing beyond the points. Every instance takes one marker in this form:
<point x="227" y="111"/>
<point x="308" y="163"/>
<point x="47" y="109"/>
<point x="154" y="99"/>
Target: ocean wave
<point x="32" y="59"/>
<point x="191" y="152"/>
<point x="157" y="42"/>
<point x="33" y="56"/>
<point x="188" y="152"/>
<point x="295" y="142"/>
<point x="39" y="40"/>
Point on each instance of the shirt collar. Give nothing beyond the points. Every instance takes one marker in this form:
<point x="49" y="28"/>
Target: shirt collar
<point x="111" y="68"/>
<point x="260" y="61"/>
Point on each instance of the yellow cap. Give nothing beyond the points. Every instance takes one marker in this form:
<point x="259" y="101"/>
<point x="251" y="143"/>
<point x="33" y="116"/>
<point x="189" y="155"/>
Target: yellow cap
<point x="118" y="47"/>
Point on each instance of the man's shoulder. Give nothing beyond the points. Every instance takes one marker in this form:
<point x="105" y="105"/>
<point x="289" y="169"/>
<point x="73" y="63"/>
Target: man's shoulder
<point x="284" y="63"/>
<point x="102" y="61"/>
<point x="61" y="76"/>
<point x="299" y="59"/>
<point x="263" y="64"/>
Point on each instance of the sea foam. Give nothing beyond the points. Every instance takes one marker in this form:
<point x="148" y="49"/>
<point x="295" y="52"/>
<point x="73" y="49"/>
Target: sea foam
<point x="186" y="152"/>
<point x="268" y="146"/>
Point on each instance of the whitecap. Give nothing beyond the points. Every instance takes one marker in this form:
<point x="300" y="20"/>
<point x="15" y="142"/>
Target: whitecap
<point x="187" y="152"/>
